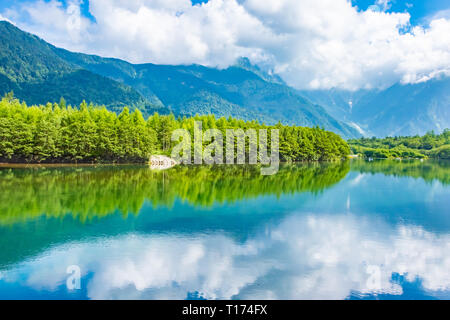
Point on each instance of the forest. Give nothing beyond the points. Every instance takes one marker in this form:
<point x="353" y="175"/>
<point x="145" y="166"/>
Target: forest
<point x="431" y="145"/>
<point x="88" y="133"/>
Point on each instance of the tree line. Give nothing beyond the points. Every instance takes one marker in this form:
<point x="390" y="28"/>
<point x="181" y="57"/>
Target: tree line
<point x="430" y="145"/>
<point x="89" y="133"/>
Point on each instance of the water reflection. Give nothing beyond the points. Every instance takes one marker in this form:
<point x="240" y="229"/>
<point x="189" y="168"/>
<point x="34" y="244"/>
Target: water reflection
<point x="95" y="192"/>
<point x="433" y="170"/>
<point x="320" y="232"/>
<point x="303" y="257"/>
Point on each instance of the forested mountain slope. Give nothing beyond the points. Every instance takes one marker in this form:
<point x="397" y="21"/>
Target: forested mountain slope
<point x="38" y="72"/>
<point x="30" y="68"/>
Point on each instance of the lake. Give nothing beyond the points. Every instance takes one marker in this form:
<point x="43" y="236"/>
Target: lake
<point x="350" y="230"/>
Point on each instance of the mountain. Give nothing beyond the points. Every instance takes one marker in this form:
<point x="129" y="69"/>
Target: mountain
<point x="242" y="91"/>
<point x="406" y="109"/>
<point x="30" y="67"/>
<point x="38" y="72"/>
<point x="402" y="109"/>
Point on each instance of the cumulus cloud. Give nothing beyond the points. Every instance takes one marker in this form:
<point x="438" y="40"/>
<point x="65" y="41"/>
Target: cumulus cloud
<point x="311" y="44"/>
<point x="303" y="257"/>
<point x="62" y="25"/>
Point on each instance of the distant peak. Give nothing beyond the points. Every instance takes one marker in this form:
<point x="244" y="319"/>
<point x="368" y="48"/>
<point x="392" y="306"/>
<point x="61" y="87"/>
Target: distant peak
<point x="267" y="75"/>
<point x="244" y="62"/>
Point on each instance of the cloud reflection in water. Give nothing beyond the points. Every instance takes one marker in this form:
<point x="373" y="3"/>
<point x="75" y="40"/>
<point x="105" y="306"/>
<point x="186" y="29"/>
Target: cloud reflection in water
<point x="302" y="257"/>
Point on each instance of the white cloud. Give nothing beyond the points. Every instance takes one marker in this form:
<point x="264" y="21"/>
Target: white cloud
<point x="62" y="26"/>
<point x="304" y="257"/>
<point x="311" y="44"/>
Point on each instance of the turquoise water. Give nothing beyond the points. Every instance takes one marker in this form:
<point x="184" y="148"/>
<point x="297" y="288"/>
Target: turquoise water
<point x="354" y="230"/>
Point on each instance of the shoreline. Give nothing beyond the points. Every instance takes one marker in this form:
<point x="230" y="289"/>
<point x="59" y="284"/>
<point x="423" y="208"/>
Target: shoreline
<point x="89" y="164"/>
<point x="63" y="165"/>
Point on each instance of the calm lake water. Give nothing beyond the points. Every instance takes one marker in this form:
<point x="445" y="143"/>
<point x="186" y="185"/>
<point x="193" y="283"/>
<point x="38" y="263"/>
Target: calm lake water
<point x="352" y="230"/>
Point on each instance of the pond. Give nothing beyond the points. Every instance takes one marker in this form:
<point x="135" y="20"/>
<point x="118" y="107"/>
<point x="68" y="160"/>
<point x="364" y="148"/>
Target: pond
<point x="348" y="230"/>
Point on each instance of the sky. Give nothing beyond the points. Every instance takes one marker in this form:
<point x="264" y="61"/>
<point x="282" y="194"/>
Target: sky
<point x="311" y="44"/>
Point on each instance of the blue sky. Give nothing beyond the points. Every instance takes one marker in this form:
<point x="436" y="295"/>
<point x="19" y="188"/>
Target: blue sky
<point x="418" y="9"/>
<point x="311" y="44"/>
